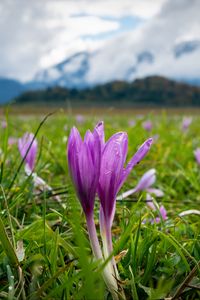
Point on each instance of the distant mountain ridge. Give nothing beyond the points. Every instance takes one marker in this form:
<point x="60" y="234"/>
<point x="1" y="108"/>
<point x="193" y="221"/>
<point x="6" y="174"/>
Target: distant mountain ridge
<point x="84" y="70"/>
<point x="9" y="89"/>
<point x="153" y="90"/>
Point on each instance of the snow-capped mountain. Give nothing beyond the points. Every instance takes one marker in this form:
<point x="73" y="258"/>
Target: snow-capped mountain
<point x="88" y="69"/>
<point x="69" y="73"/>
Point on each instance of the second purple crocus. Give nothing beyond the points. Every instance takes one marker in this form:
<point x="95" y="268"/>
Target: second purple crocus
<point x="113" y="174"/>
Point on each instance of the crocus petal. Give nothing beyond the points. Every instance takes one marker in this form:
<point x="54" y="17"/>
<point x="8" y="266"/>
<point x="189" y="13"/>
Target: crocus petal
<point x="24" y="144"/>
<point x="156" y="192"/>
<point x="84" y="165"/>
<point x="150" y="202"/>
<point x="89" y="141"/>
<point x="100" y="129"/>
<point x="147" y="180"/>
<point x="163" y="212"/>
<point x="113" y="158"/>
<point x="139" y="155"/>
<point x="126" y="194"/>
<point x="74" y="144"/>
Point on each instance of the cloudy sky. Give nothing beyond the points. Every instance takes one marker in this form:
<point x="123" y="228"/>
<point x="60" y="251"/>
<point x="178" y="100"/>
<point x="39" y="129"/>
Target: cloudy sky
<point x="37" y="34"/>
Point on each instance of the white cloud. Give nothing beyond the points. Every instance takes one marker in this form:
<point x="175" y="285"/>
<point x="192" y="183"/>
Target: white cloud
<point x="178" y="21"/>
<point x="37" y="34"/>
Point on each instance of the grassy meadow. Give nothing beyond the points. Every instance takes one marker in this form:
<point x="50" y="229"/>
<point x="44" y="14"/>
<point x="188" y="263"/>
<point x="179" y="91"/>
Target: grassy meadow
<point x="45" y="251"/>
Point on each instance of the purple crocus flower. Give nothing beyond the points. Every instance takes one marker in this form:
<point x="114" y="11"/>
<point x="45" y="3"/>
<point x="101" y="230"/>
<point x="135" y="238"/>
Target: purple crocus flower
<point x="162" y="212"/>
<point x="197" y="155"/>
<point x="29" y="155"/>
<point x="145" y="183"/>
<point x="112" y="176"/>
<point x="147" y="125"/>
<point x="84" y="158"/>
<point x="112" y="172"/>
<point x="186" y="123"/>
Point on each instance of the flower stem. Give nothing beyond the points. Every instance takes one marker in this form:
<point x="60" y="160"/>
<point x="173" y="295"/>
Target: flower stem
<point x="108" y="277"/>
<point x="93" y="236"/>
<point x="110" y="250"/>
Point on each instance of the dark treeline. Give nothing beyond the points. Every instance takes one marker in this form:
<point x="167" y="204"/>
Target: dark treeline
<point x="153" y="90"/>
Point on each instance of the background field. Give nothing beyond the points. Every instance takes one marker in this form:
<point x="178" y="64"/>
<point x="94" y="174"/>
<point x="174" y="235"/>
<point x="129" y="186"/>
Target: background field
<point x="57" y="263"/>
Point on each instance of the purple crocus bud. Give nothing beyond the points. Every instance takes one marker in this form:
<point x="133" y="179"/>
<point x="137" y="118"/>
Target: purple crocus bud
<point x="197" y="155"/>
<point x="163" y="214"/>
<point x="186" y="123"/>
<point x="147" y="125"/>
<point x="84" y="165"/>
<point x="100" y="129"/>
<point x="30" y="154"/>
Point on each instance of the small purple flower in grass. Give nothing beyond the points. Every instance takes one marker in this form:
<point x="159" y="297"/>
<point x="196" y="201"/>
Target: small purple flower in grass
<point x="27" y="146"/>
<point x="147" y="125"/>
<point x="131" y="123"/>
<point x="186" y="123"/>
<point x="197" y="155"/>
<point x="162" y="212"/>
<point x="145" y="183"/>
<point x="80" y="119"/>
<point x="29" y="155"/>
